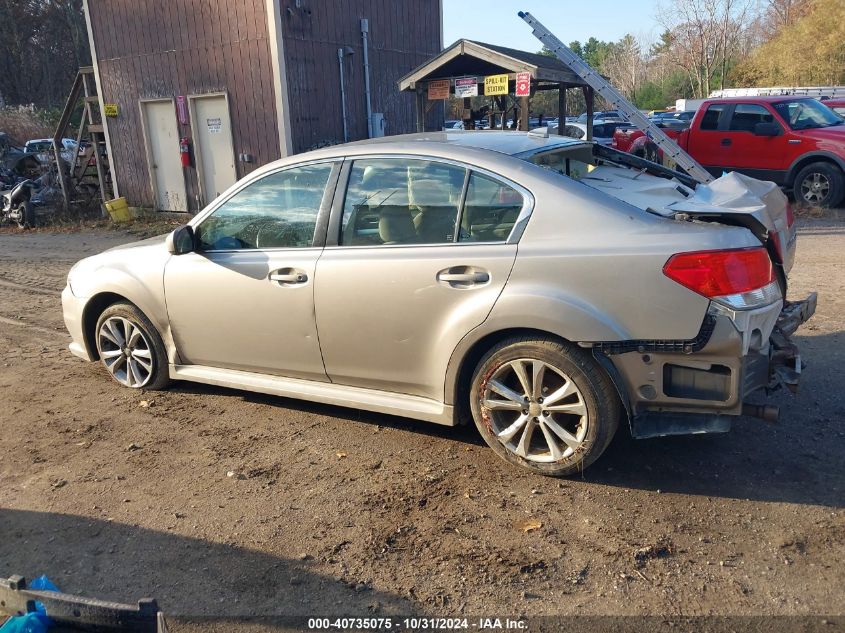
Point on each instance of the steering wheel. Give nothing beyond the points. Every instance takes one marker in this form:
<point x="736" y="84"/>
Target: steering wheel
<point x="275" y="235"/>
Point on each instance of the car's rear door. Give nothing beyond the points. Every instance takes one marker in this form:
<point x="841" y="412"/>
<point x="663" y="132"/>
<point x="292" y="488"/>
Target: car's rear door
<point x="245" y="298"/>
<point x="418" y="251"/>
<point x="705" y="142"/>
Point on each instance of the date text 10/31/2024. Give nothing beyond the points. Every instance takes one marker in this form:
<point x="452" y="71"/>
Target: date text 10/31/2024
<point x="417" y="624"/>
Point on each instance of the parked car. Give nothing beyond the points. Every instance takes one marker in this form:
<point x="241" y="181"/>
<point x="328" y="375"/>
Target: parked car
<point x="795" y="142"/>
<point x="633" y="140"/>
<point x="677" y="120"/>
<point x="606" y="115"/>
<point x="453" y="124"/>
<point x="602" y="130"/>
<point x="837" y="105"/>
<point x="532" y="283"/>
<point x="42" y="148"/>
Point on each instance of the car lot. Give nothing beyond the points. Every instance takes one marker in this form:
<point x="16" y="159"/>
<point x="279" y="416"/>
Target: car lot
<point x="225" y="503"/>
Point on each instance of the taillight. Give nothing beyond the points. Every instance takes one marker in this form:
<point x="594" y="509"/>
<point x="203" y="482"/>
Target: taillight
<point x="741" y="278"/>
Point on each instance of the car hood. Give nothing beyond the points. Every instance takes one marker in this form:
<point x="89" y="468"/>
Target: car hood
<point x="835" y="133"/>
<point x="149" y="241"/>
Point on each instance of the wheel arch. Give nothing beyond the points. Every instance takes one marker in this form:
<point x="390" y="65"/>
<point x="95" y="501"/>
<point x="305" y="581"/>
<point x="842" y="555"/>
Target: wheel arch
<point x="95" y="306"/>
<point x="462" y="364"/>
<point x="812" y="157"/>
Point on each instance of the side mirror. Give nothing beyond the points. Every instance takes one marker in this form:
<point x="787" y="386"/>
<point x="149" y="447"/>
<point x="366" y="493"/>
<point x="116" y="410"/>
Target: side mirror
<point x="766" y="129"/>
<point x="181" y="240"/>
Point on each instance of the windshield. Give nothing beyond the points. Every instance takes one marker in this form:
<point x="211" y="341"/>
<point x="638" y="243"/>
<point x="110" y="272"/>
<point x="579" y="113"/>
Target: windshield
<point x="805" y="114"/>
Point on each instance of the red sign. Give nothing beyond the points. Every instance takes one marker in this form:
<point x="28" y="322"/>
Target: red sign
<point x="182" y="110"/>
<point x="523" y="84"/>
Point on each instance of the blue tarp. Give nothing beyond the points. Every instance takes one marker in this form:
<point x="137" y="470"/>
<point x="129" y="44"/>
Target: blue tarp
<point x="36" y="622"/>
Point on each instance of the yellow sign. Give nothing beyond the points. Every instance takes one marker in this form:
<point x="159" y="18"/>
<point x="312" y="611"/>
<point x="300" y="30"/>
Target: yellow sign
<point x="495" y="85"/>
<point x="439" y="89"/>
<point x="110" y="109"/>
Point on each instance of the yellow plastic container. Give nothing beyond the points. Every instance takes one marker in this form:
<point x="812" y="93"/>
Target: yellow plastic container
<point x="118" y="210"/>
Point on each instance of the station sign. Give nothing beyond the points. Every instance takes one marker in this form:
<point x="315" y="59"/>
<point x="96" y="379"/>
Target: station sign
<point x="495" y="85"/>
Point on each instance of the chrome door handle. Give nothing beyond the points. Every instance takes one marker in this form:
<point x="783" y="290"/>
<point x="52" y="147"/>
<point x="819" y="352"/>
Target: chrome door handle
<point x="472" y="278"/>
<point x="289" y="278"/>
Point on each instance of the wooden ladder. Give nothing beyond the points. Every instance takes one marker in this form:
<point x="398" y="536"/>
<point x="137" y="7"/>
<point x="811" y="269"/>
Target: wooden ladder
<point x="91" y="125"/>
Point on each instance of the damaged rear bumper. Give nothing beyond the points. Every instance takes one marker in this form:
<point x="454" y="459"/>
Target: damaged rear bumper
<point x="785" y="360"/>
<point x="676" y="389"/>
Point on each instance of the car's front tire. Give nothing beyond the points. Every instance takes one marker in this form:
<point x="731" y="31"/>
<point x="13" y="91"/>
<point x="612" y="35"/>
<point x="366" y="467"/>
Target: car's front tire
<point x="130" y="348"/>
<point x="820" y="185"/>
<point x="543" y="404"/>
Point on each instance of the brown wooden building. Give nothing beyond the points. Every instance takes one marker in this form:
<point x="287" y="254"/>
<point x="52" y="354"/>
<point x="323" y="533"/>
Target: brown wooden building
<point x="246" y="82"/>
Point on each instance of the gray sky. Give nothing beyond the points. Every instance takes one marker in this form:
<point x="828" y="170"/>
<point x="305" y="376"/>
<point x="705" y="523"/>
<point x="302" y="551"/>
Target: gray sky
<point x="496" y="22"/>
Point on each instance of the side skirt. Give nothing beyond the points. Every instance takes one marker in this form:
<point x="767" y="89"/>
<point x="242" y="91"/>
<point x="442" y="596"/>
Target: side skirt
<point x="327" y="393"/>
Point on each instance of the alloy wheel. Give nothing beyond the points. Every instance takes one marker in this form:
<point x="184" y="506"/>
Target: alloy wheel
<point x="125" y="352"/>
<point x="535" y="410"/>
<point x="815" y="188"/>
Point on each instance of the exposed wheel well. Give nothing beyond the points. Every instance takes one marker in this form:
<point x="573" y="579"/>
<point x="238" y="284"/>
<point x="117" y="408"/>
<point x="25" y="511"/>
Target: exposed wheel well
<point x="470" y="361"/>
<point x="808" y="160"/>
<point x="93" y="309"/>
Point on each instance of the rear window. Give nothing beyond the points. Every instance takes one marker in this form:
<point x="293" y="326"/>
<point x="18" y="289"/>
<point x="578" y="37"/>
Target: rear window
<point x="710" y="120"/>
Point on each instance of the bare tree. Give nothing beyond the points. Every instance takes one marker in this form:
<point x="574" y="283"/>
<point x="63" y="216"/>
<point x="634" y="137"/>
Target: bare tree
<point x="44" y="43"/>
<point x="704" y="35"/>
<point x="625" y="65"/>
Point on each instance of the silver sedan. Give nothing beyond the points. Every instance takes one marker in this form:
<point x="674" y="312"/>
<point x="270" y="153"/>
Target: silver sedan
<point x="542" y="287"/>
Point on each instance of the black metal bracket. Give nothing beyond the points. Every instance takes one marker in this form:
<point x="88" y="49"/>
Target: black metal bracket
<point x="81" y="613"/>
<point x="685" y="347"/>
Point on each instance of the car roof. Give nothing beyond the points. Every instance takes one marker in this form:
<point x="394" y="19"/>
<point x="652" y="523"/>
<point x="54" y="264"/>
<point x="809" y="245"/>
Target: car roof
<point x="483" y="148"/>
<point x="509" y="142"/>
<point x="766" y="98"/>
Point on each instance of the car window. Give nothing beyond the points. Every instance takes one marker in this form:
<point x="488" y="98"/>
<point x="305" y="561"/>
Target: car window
<point x="804" y="114"/>
<point x="401" y="201"/>
<point x="710" y="120"/>
<point x="278" y="211"/>
<point x="490" y="210"/>
<point x="747" y="115"/>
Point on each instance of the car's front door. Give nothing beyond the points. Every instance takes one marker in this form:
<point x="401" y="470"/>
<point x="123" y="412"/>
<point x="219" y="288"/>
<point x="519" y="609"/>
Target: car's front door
<point x="760" y="156"/>
<point x="418" y="252"/>
<point x="245" y="298"/>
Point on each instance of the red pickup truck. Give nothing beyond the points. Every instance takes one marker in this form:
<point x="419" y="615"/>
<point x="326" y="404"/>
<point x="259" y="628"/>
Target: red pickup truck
<point x="795" y="142"/>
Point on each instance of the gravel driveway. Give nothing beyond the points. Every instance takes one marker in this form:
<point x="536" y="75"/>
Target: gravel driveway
<point x="226" y="503"/>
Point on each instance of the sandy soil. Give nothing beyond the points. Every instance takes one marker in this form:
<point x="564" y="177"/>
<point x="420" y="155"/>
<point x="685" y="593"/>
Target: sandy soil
<point x="120" y="495"/>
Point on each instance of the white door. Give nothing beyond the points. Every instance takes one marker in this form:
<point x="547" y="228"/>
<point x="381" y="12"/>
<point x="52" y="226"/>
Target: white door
<point x="163" y="155"/>
<point x="215" y="156"/>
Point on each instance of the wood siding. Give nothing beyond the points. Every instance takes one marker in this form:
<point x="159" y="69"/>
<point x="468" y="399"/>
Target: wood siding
<point x="403" y="34"/>
<point x="150" y="49"/>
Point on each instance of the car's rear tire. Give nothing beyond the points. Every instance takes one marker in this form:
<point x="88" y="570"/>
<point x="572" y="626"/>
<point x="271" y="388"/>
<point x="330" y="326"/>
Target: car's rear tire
<point x="130" y="348"/>
<point x="557" y="427"/>
<point x="27" y="220"/>
<point x="819" y="185"/>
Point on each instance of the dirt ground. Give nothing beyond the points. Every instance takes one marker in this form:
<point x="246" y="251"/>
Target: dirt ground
<point x="120" y="495"/>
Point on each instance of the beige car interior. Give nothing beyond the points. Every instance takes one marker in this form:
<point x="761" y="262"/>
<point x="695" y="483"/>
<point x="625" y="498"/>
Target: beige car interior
<point x="402" y="203"/>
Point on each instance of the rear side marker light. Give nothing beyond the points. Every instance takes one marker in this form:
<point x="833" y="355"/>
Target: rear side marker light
<point x="739" y="277"/>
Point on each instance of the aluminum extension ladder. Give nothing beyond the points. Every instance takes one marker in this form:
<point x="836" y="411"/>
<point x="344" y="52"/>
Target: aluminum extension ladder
<point x="617" y="101"/>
